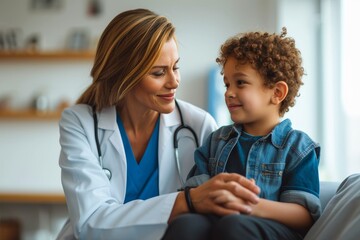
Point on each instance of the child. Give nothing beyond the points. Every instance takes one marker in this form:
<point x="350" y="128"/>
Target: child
<point x="262" y="75"/>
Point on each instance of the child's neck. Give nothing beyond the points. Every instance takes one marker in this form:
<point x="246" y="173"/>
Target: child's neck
<point x="261" y="127"/>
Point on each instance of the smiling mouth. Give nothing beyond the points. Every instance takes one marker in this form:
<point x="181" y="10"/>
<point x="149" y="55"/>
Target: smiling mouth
<point x="234" y="106"/>
<point x="168" y="97"/>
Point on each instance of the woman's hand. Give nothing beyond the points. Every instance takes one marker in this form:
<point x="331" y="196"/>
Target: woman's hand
<point x="225" y="193"/>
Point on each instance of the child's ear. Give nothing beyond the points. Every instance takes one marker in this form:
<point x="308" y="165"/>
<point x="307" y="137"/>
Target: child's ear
<point x="280" y="92"/>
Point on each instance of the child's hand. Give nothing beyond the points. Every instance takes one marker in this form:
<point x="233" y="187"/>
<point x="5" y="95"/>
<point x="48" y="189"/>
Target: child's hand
<point x="225" y="193"/>
<point x="230" y="201"/>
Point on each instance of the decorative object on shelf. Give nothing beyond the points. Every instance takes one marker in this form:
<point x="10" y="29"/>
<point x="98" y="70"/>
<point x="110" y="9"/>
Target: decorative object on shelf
<point x="46" y="4"/>
<point x="10" y="229"/>
<point x="10" y="39"/>
<point x="32" y="43"/>
<point x="79" y="39"/>
<point x="30" y="113"/>
<point x="94" y="8"/>
<point x="5" y="102"/>
<point x="41" y="103"/>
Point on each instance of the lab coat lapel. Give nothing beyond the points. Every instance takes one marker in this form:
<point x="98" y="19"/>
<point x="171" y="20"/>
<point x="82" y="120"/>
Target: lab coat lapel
<point x="168" y="175"/>
<point x="107" y="122"/>
<point x="111" y="134"/>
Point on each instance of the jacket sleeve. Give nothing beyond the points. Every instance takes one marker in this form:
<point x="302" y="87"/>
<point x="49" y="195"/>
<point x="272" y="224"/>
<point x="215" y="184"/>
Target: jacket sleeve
<point x="94" y="211"/>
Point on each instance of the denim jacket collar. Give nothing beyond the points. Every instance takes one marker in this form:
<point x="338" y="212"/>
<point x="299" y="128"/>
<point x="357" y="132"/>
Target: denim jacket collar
<point x="277" y="136"/>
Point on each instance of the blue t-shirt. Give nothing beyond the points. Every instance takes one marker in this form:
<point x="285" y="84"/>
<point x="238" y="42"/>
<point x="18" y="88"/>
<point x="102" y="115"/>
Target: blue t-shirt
<point x="143" y="177"/>
<point x="238" y="157"/>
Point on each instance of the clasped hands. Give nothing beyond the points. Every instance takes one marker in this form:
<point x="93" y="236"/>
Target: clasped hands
<point x="224" y="194"/>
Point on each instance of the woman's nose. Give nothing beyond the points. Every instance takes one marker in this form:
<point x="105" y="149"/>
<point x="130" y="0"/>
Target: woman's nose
<point x="174" y="79"/>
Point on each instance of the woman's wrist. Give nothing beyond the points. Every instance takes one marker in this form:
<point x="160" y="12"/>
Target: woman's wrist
<point x="179" y="206"/>
<point x="188" y="200"/>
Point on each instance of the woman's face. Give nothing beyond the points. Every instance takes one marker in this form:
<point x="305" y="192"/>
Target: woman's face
<point x="156" y="91"/>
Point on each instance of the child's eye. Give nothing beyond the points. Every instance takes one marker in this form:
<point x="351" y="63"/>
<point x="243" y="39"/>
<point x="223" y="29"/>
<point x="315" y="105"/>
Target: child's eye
<point x="226" y="85"/>
<point x="240" y="82"/>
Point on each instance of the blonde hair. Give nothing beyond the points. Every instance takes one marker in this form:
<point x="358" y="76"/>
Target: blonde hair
<point x="127" y="49"/>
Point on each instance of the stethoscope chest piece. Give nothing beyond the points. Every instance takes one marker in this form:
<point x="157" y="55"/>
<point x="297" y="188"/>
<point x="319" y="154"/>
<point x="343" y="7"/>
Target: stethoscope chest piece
<point x="107" y="173"/>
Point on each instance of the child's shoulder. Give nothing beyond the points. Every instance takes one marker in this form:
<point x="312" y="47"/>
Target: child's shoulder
<point x="296" y="135"/>
<point x="285" y="135"/>
<point x="301" y="143"/>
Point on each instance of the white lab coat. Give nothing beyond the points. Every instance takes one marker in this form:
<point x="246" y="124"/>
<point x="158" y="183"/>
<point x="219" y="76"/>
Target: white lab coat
<point x="95" y="203"/>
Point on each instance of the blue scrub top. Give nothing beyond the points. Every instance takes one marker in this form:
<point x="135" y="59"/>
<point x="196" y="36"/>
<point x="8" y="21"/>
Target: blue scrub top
<point x="143" y="177"/>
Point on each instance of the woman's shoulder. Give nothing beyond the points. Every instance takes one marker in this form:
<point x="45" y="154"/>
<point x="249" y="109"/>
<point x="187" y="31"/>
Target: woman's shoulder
<point x="77" y="110"/>
<point x="193" y="114"/>
<point x="190" y="108"/>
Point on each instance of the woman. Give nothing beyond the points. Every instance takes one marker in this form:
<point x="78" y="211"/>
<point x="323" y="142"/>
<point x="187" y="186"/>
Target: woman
<point x="124" y="185"/>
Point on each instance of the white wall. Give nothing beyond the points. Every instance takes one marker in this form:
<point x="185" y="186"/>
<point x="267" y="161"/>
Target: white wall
<point x="302" y="20"/>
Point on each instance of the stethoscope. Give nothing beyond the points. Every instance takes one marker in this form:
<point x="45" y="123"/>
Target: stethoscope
<point x="182" y="126"/>
<point x="106" y="170"/>
<point x="175" y="141"/>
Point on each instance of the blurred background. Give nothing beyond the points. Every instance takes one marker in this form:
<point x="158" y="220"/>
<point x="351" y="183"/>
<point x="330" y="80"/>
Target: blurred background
<point x="46" y="53"/>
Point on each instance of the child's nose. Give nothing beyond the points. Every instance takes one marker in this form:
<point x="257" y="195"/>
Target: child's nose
<point x="229" y="93"/>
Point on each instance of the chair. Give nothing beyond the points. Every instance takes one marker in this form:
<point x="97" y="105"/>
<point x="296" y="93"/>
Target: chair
<point x="327" y="191"/>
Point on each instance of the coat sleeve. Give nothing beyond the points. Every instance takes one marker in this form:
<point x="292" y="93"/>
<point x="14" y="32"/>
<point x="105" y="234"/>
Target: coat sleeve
<point x="93" y="210"/>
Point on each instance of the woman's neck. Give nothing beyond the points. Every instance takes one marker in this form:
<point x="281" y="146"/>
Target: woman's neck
<point x="139" y="126"/>
<point x="137" y="121"/>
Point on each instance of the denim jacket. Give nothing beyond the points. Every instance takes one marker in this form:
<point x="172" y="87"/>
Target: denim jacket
<point x="273" y="160"/>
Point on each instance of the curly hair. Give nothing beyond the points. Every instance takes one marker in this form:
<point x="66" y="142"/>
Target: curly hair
<point x="274" y="56"/>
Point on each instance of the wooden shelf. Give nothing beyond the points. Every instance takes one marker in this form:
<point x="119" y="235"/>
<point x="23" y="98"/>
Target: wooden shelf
<point x="32" y="198"/>
<point x="55" y="55"/>
<point x="29" y="115"/>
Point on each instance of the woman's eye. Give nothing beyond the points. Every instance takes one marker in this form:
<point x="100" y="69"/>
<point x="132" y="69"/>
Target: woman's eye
<point x="158" y="73"/>
<point x="162" y="72"/>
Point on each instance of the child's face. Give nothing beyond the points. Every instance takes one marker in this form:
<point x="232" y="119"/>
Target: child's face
<point x="246" y="96"/>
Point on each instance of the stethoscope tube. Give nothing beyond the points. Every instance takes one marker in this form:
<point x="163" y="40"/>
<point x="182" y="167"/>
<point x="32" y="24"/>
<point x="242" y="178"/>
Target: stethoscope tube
<point x="183" y="126"/>
<point x="106" y="170"/>
<point x="175" y="141"/>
